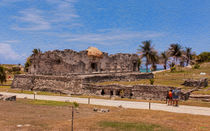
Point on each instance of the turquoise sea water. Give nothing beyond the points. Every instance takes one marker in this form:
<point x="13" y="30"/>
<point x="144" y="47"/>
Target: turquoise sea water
<point x="144" y="70"/>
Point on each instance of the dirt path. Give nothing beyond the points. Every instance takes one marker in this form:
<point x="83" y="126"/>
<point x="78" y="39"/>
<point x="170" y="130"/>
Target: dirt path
<point x="126" y="104"/>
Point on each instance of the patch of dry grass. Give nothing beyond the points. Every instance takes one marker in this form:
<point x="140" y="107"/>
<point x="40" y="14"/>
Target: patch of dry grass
<point x="48" y="117"/>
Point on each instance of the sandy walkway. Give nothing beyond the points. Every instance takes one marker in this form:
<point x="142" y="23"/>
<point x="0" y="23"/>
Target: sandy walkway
<point x="126" y="104"/>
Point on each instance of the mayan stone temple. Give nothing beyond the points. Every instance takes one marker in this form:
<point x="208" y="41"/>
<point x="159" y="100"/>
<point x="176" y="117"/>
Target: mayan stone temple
<point x="77" y="73"/>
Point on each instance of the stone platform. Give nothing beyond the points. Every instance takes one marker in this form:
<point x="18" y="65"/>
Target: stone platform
<point x="72" y="83"/>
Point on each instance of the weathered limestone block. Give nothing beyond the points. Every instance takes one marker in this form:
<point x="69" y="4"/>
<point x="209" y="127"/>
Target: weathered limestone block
<point x="146" y="92"/>
<point x="68" y="61"/>
<point x="71" y="84"/>
<point x="7" y="98"/>
<point x="196" y="83"/>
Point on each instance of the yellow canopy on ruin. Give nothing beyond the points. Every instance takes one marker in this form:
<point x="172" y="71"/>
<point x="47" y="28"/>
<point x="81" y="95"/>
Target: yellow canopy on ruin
<point x="93" y="51"/>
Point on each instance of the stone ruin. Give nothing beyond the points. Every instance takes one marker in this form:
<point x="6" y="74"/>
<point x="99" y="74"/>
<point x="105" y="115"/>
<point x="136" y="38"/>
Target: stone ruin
<point x="89" y="61"/>
<point x="74" y="73"/>
<point x="7" y="97"/>
<point x="196" y="83"/>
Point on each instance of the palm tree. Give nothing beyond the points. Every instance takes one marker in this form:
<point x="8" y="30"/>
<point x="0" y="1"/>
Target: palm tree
<point x="2" y="75"/>
<point x="164" y="58"/>
<point x="146" y="52"/>
<point x="36" y="51"/>
<point x="175" y="50"/>
<point x="154" y="59"/>
<point x="188" y="54"/>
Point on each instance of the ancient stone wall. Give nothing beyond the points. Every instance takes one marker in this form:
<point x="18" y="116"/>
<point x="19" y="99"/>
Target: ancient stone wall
<point x="68" y="61"/>
<point x="196" y="83"/>
<point x="146" y="92"/>
<point x="71" y="84"/>
<point x="67" y="85"/>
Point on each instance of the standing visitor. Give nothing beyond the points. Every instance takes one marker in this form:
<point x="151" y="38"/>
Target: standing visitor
<point x="170" y="97"/>
<point x="175" y="95"/>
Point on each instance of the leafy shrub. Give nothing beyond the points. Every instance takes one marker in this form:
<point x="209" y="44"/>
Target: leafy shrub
<point x="75" y="104"/>
<point x="173" y="69"/>
<point x="151" y="81"/>
<point x="204" y="57"/>
<point x="15" y="69"/>
<point x="196" y="66"/>
<point x="16" y="72"/>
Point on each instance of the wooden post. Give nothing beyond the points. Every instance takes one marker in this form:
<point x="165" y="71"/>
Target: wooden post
<point x="72" y="121"/>
<point x="34" y="95"/>
<point x="88" y="100"/>
<point x="149" y="105"/>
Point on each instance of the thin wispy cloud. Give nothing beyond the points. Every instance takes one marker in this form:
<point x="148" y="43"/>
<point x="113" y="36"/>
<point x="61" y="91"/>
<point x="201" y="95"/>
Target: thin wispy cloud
<point x="60" y="13"/>
<point x="111" y="37"/>
<point x="31" y="20"/>
<point x="11" y="41"/>
<point x="8" y="53"/>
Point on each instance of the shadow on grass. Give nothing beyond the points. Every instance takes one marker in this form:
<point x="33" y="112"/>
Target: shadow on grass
<point x="123" y="126"/>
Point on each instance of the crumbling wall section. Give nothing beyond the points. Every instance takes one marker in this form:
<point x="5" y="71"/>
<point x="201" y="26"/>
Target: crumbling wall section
<point x="67" y="85"/>
<point x="68" y="61"/>
<point x="147" y="92"/>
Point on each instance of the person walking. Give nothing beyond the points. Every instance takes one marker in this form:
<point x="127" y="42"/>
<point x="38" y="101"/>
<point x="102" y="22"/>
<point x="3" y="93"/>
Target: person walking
<point x="175" y="95"/>
<point x="170" y="97"/>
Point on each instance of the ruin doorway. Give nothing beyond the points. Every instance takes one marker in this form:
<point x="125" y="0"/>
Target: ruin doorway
<point x="102" y="92"/>
<point x="94" y="67"/>
<point x="134" y="66"/>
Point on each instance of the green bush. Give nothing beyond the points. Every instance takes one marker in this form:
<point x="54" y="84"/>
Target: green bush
<point x="75" y="104"/>
<point x="15" y="69"/>
<point x="196" y="66"/>
<point x="204" y="57"/>
<point x="173" y="69"/>
<point x="151" y="81"/>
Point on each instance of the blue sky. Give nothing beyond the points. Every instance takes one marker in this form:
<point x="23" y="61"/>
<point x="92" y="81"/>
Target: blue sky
<point x="111" y="25"/>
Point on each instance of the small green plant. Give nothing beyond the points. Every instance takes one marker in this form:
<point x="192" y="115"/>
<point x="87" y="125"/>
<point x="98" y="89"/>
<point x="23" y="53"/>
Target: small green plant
<point x="196" y="66"/>
<point x="151" y="81"/>
<point x="75" y="104"/>
<point x="122" y="93"/>
<point x="173" y="69"/>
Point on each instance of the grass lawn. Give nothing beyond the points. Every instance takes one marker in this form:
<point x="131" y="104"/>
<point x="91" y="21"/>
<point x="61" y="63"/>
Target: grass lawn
<point x="123" y="126"/>
<point x="51" y="115"/>
<point x="175" y="79"/>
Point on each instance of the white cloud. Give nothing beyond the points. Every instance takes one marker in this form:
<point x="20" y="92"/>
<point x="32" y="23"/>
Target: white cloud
<point x="110" y="37"/>
<point x="7" y="53"/>
<point x="11" y="41"/>
<point x="60" y="13"/>
<point x="32" y="20"/>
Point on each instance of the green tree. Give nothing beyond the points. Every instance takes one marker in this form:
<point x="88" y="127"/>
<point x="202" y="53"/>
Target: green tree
<point x="27" y="64"/>
<point x="175" y="51"/>
<point x="2" y="75"/>
<point x="145" y="51"/>
<point x="204" y="57"/>
<point x="164" y="58"/>
<point x="36" y="51"/>
<point x="154" y="59"/>
<point x="188" y="54"/>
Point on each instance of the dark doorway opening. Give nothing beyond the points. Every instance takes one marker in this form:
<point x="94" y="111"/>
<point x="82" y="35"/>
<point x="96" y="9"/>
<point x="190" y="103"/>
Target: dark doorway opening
<point x="94" y="67"/>
<point x="118" y="92"/>
<point x="134" y="66"/>
<point x="102" y="92"/>
<point x="111" y="93"/>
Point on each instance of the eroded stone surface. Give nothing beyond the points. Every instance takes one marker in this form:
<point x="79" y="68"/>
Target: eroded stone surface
<point x="68" y="61"/>
<point x="196" y="83"/>
<point x="7" y="98"/>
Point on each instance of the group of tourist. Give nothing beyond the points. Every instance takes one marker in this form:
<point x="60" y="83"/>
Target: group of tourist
<point x="172" y="97"/>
